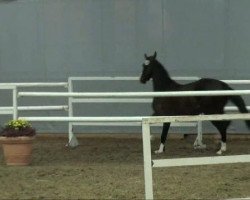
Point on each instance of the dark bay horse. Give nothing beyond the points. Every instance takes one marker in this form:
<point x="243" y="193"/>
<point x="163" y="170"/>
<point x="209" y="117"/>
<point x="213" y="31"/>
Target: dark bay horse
<point x="167" y="106"/>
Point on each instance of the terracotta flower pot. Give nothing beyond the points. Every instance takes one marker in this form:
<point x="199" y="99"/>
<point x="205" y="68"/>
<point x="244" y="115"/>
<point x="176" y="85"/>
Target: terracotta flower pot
<point x="17" y="150"/>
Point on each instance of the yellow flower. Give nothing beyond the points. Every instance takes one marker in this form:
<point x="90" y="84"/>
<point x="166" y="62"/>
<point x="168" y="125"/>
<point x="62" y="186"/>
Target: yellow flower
<point x="17" y="124"/>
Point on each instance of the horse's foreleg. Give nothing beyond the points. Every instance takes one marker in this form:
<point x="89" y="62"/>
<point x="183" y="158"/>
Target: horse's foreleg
<point x="163" y="138"/>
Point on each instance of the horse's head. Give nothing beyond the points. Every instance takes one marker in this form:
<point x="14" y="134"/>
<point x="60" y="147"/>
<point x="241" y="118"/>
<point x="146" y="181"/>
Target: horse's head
<point x="148" y="65"/>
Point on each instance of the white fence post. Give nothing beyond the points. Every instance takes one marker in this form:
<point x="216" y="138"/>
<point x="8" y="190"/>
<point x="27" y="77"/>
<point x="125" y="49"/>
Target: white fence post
<point x="148" y="177"/>
<point x="14" y="99"/>
<point x="73" y="142"/>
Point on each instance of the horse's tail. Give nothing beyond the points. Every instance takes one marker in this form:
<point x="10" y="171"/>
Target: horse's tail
<point x="239" y="102"/>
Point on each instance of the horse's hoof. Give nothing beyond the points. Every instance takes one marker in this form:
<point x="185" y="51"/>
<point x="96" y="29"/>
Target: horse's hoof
<point x="201" y="146"/>
<point x="158" y="152"/>
<point x="219" y="152"/>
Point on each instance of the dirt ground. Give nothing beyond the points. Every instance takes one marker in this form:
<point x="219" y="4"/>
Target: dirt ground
<point x="111" y="167"/>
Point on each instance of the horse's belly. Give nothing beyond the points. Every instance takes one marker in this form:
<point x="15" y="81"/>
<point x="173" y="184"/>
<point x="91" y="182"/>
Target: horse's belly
<point x="175" y="106"/>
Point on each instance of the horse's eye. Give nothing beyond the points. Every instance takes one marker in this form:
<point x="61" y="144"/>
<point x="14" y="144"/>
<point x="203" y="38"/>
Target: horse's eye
<point x="147" y="62"/>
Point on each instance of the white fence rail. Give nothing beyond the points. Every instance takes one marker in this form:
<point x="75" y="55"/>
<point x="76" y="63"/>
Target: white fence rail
<point x="135" y="94"/>
<point x="35" y="84"/>
<point x="14" y="87"/>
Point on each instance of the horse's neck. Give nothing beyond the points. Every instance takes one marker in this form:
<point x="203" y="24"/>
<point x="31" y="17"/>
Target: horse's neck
<point x="162" y="81"/>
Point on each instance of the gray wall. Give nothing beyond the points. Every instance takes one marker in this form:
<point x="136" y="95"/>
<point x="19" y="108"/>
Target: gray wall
<point x="50" y="40"/>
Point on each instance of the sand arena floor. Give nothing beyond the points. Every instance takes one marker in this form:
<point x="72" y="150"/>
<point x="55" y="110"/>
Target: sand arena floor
<point x="111" y="167"/>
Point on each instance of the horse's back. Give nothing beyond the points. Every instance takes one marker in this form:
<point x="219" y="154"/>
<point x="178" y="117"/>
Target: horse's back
<point x="193" y="105"/>
<point x="211" y="84"/>
<point x="205" y="84"/>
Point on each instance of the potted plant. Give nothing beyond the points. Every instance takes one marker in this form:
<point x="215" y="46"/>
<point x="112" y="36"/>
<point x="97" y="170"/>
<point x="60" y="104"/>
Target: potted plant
<point x="16" y="138"/>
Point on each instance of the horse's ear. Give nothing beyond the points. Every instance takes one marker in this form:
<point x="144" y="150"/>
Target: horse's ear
<point x="155" y="54"/>
<point x="145" y="55"/>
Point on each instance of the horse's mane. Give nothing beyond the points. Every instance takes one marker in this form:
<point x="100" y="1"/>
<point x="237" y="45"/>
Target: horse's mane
<point x="161" y="79"/>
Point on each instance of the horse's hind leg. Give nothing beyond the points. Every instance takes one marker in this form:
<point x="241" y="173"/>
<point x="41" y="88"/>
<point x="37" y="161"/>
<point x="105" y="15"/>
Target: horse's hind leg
<point x="222" y="128"/>
<point x="198" y="144"/>
<point x="163" y="137"/>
